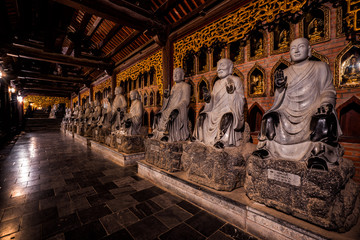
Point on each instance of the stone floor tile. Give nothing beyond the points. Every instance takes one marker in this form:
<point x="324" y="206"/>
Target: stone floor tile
<point x="111" y="223"/>
<point x="147" y="229"/>
<point x="100" y="198"/>
<point x="9" y="226"/>
<point x="145" y="209"/>
<point x="93" y="230"/>
<point x="166" y="200"/>
<point x="205" y="223"/>
<point x="182" y="232"/>
<point x="93" y="213"/>
<point x="147" y="193"/>
<point x="172" y="216"/>
<point x="235" y="233"/>
<point x="123" y="190"/>
<point x="39" y="217"/>
<point x="218" y="235"/>
<point x="126" y="217"/>
<point x="122" y="234"/>
<point x="191" y="208"/>
<point x="33" y="233"/>
<point x="59" y="225"/>
<point x="121" y="203"/>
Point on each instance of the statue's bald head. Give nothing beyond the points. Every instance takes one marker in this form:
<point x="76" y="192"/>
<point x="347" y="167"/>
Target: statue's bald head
<point x="118" y="90"/>
<point x="224" y="67"/>
<point x="300" y="50"/>
<point x="134" y="94"/>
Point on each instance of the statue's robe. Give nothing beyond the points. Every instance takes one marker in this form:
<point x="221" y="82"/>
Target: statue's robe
<point x="135" y="115"/>
<point x="308" y="87"/>
<point x="118" y="103"/>
<point x="221" y="103"/>
<point x="179" y="99"/>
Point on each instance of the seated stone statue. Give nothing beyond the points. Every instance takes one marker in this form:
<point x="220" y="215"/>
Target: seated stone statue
<point x="171" y="122"/>
<point x="118" y="109"/>
<point x="133" y="119"/>
<point x="80" y="120"/>
<point x="95" y="117"/>
<point x="221" y="121"/>
<point x="104" y="124"/>
<point x="302" y="124"/>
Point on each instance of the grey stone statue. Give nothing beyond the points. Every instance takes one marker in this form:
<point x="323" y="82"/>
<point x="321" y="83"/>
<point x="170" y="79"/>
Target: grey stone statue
<point x="133" y="119"/>
<point x="95" y="117"/>
<point x="221" y="121"/>
<point x="302" y="124"/>
<point x="118" y="109"/>
<point x="171" y="122"/>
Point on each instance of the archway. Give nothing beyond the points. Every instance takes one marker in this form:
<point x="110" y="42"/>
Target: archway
<point x="349" y="115"/>
<point x="254" y="118"/>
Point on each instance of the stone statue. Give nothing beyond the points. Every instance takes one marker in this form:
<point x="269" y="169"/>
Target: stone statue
<point x="302" y="124"/>
<point x="53" y="111"/>
<point x="171" y="122"/>
<point x="118" y="109"/>
<point x="95" y="117"/>
<point x="104" y="124"/>
<point x="133" y="119"/>
<point x="221" y="121"/>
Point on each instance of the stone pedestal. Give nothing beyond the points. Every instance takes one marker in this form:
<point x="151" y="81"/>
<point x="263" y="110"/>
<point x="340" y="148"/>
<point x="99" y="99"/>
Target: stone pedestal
<point x="220" y="169"/>
<point x="329" y="199"/>
<point x="130" y="144"/>
<point x="110" y="140"/>
<point x="163" y="154"/>
<point x="83" y="140"/>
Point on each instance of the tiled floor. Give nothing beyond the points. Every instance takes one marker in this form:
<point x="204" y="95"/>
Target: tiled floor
<point x="55" y="188"/>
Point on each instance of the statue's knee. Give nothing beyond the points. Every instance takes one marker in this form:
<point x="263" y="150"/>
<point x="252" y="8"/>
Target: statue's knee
<point x="323" y="128"/>
<point x="226" y="121"/>
<point x="269" y="124"/>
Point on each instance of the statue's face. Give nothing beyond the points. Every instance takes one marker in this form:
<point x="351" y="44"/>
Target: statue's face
<point x="223" y="68"/>
<point x="299" y="50"/>
<point x="178" y="75"/>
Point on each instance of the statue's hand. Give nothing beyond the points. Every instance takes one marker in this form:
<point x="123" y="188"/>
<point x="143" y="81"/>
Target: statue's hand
<point x="166" y="93"/>
<point x="206" y="94"/>
<point x="230" y="89"/>
<point x="280" y="79"/>
<point x="325" y="109"/>
<point x="173" y="115"/>
<point x="128" y="123"/>
<point x="202" y="117"/>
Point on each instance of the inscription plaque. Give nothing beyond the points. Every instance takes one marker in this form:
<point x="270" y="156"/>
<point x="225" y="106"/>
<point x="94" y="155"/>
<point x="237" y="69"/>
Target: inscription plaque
<point x="284" y="177"/>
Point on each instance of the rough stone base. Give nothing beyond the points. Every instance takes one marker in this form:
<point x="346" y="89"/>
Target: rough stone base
<point x="130" y="144"/>
<point x="122" y="159"/>
<point x="163" y="154"/>
<point x="110" y="140"/>
<point x="326" y="198"/>
<point x="220" y="169"/>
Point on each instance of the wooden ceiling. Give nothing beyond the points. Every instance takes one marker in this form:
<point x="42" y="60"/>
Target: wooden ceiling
<point x="57" y="46"/>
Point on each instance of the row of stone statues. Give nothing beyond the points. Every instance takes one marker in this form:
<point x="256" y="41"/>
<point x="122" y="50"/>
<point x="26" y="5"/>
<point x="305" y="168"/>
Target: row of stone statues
<point x="298" y="149"/>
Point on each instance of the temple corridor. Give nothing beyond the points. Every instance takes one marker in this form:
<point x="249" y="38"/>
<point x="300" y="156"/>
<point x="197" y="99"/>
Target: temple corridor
<point x="55" y="188"/>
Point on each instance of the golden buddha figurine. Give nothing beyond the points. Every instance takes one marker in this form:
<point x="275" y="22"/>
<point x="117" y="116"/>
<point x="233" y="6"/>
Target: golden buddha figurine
<point x="256" y="84"/>
<point x="315" y="32"/>
<point x="283" y="39"/>
<point x="259" y="48"/>
<point x="352" y="71"/>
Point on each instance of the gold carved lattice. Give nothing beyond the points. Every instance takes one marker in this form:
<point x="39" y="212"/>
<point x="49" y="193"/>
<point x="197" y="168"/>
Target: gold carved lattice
<point x="101" y="86"/>
<point x="44" y="101"/>
<point x="153" y="61"/>
<point x="353" y="10"/>
<point x="74" y="100"/>
<point x="236" y="25"/>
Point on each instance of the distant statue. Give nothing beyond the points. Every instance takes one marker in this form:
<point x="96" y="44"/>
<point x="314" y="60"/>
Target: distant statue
<point x="221" y="121"/>
<point x="94" y="119"/>
<point x="259" y="48"/>
<point x="352" y="71"/>
<point x="283" y="39"/>
<point x="53" y="111"/>
<point x="118" y="109"/>
<point x="104" y="124"/>
<point x="302" y="124"/>
<point x="315" y="31"/>
<point x="133" y="119"/>
<point x="171" y="122"/>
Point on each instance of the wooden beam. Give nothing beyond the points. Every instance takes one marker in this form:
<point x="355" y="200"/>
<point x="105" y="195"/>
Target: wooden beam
<point x="166" y="7"/>
<point x="41" y="88"/>
<point x="16" y="50"/>
<point x="118" y="14"/>
<point x="134" y="35"/>
<point x="110" y="35"/>
<point x="50" y="78"/>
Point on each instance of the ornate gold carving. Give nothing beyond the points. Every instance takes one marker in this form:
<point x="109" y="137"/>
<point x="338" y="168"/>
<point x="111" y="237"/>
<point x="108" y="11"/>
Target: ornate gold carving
<point x="101" y="86"/>
<point x="340" y="14"/>
<point x="341" y="64"/>
<point x="315" y="36"/>
<point x="260" y="46"/>
<point x="140" y="67"/>
<point x="256" y="83"/>
<point x="74" y="100"/>
<point x="284" y="45"/>
<point x="353" y="13"/>
<point x="44" y="101"/>
<point x="317" y="55"/>
<point x="84" y="95"/>
<point x="236" y="25"/>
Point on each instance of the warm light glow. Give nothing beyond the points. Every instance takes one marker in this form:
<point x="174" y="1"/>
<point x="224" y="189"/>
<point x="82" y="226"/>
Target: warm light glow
<point x="20" y="99"/>
<point x="1" y="74"/>
<point x="12" y="90"/>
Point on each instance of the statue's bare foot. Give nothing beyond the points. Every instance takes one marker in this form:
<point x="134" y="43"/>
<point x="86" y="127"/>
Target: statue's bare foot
<point x="261" y="153"/>
<point x="219" y="145"/>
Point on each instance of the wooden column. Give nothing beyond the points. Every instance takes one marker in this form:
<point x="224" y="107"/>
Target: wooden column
<point x="91" y="99"/>
<point x="167" y="64"/>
